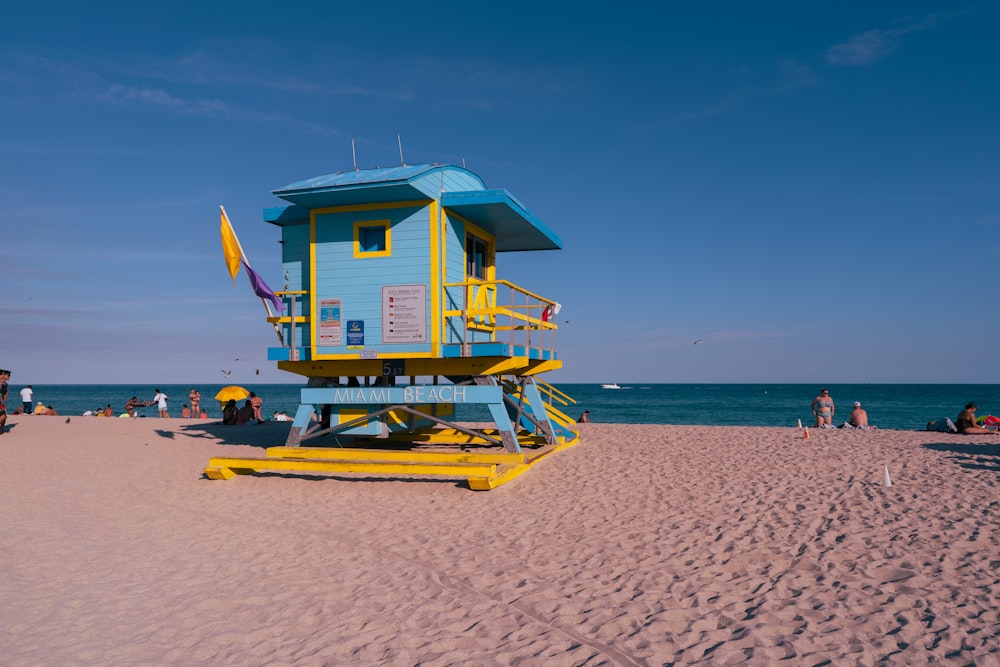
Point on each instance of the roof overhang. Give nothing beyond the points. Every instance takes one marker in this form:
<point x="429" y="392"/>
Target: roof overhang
<point x="512" y="225"/>
<point x="350" y="188"/>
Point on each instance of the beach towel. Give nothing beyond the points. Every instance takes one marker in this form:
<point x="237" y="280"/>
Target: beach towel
<point x="989" y="421"/>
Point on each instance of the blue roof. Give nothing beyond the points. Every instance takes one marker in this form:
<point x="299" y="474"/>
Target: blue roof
<point x="499" y="213"/>
<point x="376" y="186"/>
<point x="459" y="190"/>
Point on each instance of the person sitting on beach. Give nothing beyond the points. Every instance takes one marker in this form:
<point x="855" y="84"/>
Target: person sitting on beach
<point x="50" y="411"/>
<point x="966" y="422"/>
<point x="204" y="415"/>
<point x="39" y="409"/>
<point x="185" y="411"/>
<point x="584" y="418"/>
<point x="229" y="413"/>
<point x="245" y="415"/>
<point x="823" y="409"/>
<point x="859" y="417"/>
<point x="131" y="405"/>
<point x="108" y="412"/>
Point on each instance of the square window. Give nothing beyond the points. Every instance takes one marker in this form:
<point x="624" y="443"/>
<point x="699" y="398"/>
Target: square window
<point x="372" y="238"/>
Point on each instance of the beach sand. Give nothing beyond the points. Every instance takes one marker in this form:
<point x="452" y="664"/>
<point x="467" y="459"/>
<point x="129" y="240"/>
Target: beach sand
<point x="642" y="545"/>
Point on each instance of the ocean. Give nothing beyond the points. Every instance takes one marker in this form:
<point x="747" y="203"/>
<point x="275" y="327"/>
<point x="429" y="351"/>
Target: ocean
<point x="893" y="406"/>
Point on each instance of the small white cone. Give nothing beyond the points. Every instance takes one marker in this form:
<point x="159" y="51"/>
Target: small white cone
<point x="887" y="481"/>
<point x="800" y="423"/>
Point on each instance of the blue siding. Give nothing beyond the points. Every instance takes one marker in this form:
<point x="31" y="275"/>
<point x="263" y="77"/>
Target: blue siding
<point x="455" y="273"/>
<point x="358" y="282"/>
<point x="454" y="264"/>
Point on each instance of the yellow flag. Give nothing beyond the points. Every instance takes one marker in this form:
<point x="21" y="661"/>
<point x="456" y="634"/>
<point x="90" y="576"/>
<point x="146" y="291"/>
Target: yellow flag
<point x="230" y="246"/>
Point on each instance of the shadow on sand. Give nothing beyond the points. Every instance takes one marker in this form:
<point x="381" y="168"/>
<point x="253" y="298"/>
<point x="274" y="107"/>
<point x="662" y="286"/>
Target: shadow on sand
<point x="267" y="434"/>
<point x="981" y="457"/>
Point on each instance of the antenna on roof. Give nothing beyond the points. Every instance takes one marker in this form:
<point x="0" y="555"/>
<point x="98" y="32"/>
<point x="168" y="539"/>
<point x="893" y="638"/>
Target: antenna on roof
<point x="354" y="154"/>
<point x="400" y="142"/>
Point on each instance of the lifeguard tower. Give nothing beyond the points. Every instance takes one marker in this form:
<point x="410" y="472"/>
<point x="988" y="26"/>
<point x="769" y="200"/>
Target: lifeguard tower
<point x="396" y="315"/>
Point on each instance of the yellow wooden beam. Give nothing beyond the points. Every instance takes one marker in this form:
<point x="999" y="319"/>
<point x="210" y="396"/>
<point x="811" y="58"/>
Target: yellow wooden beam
<point x="415" y="366"/>
<point x="373" y="455"/>
<point x="237" y="465"/>
<point x="543" y="366"/>
<point x="503" y="475"/>
<point x="286" y="319"/>
<point x="483" y="470"/>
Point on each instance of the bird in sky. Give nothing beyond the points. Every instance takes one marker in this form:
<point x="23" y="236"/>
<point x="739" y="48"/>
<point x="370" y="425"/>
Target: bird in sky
<point x="227" y="373"/>
<point x="697" y="341"/>
<point x="256" y="371"/>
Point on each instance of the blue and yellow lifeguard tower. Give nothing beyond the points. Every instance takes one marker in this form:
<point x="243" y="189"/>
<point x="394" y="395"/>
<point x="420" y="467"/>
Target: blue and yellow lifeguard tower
<point x="396" y="315"/>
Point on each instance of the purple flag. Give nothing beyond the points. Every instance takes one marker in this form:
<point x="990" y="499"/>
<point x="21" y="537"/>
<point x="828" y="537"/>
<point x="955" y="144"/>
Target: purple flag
<point x="261" y="289"/>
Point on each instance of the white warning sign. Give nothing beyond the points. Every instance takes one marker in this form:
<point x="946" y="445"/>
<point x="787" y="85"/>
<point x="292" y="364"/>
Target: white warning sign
<point x="404" y="314"/>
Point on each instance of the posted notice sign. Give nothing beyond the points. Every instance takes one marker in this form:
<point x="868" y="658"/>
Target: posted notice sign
<point x="330" y="329"/>
<point x="404" y="314"/>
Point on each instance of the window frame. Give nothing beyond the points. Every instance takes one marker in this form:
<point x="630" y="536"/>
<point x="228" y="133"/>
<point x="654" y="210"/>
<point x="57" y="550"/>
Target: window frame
<point x="386" y="226"/>
<point x="477" y="238"/>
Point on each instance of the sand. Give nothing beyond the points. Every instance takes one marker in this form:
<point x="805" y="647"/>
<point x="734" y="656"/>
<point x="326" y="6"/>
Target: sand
<point x="642" y="545"/>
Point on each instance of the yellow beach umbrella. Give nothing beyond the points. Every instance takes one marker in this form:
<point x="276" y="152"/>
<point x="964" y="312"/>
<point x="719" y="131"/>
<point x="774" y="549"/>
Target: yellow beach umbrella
<point x="233" y="392"/>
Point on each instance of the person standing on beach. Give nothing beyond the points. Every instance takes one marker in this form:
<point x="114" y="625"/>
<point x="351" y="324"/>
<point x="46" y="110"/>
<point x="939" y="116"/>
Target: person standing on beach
<point x="4" y="393"/>
<point x="26" y="394"/>
<point x="822" y="407"/>
<point x="161" y="404"/>
<point x="195" y="397"/>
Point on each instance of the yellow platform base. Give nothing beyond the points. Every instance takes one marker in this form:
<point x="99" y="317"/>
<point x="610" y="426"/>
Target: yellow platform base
<point x="482" y="470"/>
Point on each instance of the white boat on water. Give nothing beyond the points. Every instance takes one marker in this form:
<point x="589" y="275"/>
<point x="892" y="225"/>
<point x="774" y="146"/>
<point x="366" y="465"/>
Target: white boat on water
<point x="613" y="385"/>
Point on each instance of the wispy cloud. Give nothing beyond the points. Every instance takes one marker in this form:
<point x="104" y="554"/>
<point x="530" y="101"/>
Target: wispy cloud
<point x="96" y="87"/>
<point x="791" y="75"/>
<point x="872" y="46"/>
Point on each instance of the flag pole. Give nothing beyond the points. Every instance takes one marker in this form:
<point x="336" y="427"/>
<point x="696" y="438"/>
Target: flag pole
<point x="243" y="256"/>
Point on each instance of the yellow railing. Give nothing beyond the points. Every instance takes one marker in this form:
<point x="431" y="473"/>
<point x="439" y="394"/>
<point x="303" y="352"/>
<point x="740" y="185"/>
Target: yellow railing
<point x="498" y="311"/>
<point x="475" y="311"/>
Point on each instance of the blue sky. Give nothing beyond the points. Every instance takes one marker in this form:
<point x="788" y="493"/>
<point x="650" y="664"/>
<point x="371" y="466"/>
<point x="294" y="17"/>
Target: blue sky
<point x="811" y="189"/>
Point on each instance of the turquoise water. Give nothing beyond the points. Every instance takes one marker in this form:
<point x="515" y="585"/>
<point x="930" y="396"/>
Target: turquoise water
<point x="895" y="406"/>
